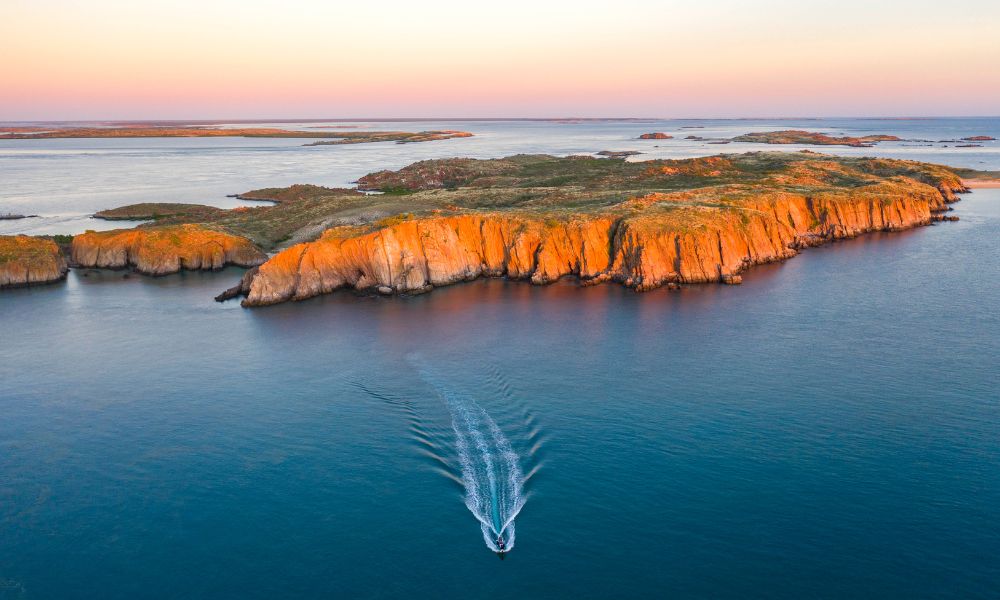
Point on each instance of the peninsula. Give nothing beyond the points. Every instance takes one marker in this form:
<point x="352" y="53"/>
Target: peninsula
<point x="330" y="137"/>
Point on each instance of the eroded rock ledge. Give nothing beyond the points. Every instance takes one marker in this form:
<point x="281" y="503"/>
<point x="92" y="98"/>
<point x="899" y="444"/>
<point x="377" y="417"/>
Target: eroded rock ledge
<point x="164" y="250"/>
<point x="26" y="260"/>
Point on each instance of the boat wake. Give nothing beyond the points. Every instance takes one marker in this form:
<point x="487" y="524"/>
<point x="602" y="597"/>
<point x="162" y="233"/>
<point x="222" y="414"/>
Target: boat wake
<point x="491" y="471"/>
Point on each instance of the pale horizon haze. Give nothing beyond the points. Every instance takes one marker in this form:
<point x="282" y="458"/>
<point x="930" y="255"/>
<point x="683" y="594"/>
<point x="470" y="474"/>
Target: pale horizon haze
<point x="113" y="59"/>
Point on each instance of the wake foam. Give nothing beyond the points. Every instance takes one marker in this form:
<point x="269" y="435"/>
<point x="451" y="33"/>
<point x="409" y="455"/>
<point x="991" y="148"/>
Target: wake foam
<point x="491" y="471"/>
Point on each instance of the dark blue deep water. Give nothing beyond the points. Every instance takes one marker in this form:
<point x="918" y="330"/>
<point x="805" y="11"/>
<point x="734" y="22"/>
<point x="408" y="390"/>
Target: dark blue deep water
<point x="829" y="429"/>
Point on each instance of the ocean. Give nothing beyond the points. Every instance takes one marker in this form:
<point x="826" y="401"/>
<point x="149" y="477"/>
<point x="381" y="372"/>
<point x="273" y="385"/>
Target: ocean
<point x="828" y="429"/>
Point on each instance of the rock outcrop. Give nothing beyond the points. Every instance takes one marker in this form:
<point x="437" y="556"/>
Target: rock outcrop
<point x="643" y="243"/>
<point x="656" y="136"/>
<point x="164" y="250"/>
<point x="26" y="260"/>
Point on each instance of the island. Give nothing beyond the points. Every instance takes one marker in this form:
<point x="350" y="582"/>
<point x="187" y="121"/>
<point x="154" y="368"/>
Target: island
<point x="152" y="211"/>
<point x="641" y="224"/>
<point x="27" y="260"/>
<point x="656" y="136"/>
<point x="330" y="137"/>
<point x="164" y="250"/>
<point x="400" y="137"/>
<point x="796" y="136"/>
<point x="618" y="153"/>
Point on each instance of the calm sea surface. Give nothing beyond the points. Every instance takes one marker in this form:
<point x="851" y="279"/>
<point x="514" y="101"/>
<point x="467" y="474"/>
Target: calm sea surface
<point x="829" y="429"/>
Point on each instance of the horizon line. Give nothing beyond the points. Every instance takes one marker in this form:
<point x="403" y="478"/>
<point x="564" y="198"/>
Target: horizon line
<point x="473" y="119"/>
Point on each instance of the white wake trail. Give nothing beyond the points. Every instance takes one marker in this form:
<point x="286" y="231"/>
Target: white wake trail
<point x="491" y="470"/>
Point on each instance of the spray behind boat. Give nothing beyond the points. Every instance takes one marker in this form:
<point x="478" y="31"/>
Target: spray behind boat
<point x="490" y="468"/>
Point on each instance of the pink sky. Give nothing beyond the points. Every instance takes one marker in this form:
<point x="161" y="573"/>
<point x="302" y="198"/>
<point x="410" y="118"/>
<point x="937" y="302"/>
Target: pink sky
<point x="112" y="59"/>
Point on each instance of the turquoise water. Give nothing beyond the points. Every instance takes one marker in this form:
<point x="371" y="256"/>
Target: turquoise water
<point x="829" y="429"/>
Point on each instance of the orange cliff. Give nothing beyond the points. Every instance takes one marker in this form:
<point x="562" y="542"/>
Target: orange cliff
<point x="164" y="250"/>
<point x="661" y="240"/>
<point x="26" y="260"/>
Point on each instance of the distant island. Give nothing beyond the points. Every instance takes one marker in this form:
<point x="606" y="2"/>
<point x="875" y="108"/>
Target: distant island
<point x="330" y="137"/>
<point x="801" y="137"/>
<point x="795" y="136"/>
<point x="400" y="137"/>
<point x="533" y="217"/>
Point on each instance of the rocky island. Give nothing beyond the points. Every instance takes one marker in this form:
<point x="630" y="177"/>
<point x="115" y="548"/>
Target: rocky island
<point x="164" y="250"/>
<point x="152" y="211"/>
<point x="644" y="225"/>
<point x="26" y="260"/>
<point x="796" y="136"/>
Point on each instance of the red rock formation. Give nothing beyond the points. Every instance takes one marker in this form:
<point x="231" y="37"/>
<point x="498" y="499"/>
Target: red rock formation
<point x="657" y="243"/>
<point x="163" y="250"/>
<point x="26" y="260"/>
<point x="979" y="138"/>
<point x="656" y="136"/>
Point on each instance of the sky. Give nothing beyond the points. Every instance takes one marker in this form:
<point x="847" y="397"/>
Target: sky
<point x="209" y="59"/>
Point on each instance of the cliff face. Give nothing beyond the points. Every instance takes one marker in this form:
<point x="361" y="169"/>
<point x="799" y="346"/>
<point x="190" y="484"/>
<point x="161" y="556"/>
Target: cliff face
<point x="26" y="260"/>
<point x="643" y="243"/>
<point x="163" y="250"/>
